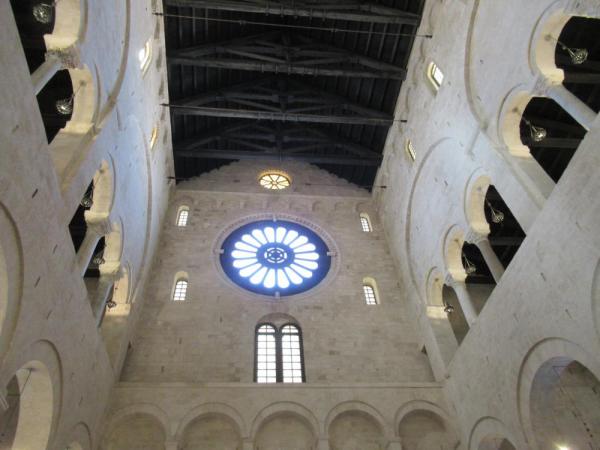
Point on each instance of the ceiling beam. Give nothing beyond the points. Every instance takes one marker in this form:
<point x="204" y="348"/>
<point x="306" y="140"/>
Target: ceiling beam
<point x="292" y="138"/>
<point x="275" y="94"/>
<point x="277" y="52"/>
<point x="275" y="115"/>
<point x="356" y="11"/>
<point x="249" y="155"/>
<point x="286" y="68"/>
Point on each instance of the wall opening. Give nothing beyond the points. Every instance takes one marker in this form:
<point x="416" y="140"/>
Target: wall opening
<point x="356" y="430"/>
<point x="34" y="19"/>
<point x="285" y="431"/>
<point x="27" y="422"/>
<point x="578" y="55"/>
<point x="565" y="406"/>
<point x="456" y="315"/>
<point x="551" y="134"/>
<point x="212" y="431"/>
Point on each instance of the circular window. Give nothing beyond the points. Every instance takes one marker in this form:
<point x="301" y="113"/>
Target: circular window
<point x="274" y="180"/>
<point x="275" y="257"/>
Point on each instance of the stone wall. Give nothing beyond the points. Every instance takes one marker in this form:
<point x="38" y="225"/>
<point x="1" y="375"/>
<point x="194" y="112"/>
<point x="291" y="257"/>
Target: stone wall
<point x="495" y="57"/>
<point x="210" y="336"/>
<point x="48" y="330"/>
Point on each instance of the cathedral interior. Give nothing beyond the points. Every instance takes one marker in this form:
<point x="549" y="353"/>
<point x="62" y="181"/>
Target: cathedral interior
<point x="300" y="225"/>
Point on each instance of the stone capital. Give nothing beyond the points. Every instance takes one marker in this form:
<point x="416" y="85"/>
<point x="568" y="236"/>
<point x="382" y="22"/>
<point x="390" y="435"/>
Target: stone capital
<point x="474" y="237"/>
<point x="70" y="57"/>
<point x="100" y="226"/>
<point x="587" y="8"/>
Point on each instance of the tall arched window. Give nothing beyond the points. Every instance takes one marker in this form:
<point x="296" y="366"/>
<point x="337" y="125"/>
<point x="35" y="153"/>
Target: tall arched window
<point x="370" y="292"/>
<point x="410" y="150"/>
<point x="365" y="222"/>
<point x="145" y="56"/>
<point x="435" y="75"/>
<point x="279" y="354"/>
<point x="180" y="291"/>
<point x="182" y="216"/>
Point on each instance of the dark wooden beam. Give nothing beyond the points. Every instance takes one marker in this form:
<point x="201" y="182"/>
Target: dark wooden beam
<point x="356" y="11"/>
<point x="285" y="68"/>
<point x="276" y="115"/>
<point x="248" y="155"/>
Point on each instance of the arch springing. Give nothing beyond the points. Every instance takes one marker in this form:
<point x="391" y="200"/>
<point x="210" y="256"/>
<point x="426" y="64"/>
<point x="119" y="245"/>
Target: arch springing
<point x="279" y="355"/>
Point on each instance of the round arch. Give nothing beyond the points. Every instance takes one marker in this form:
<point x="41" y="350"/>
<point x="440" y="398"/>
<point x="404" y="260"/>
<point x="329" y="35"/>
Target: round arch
<point x="278" y="408"/>
<point x="11" y="278"/>
<point x="596" y="299"/>
<point x="453" y="248"/>
<point x="434" y="285"/>
<point x="422" y="405"/>
<point x="542" y="352"/>
<point x="475" y="202"/>
<point x="79" y="438"/>
<point x="361" y="407"/>
<point x="543" y="41"/>
<point x="148" y="409"/>
<point x="70" y="24"/>
<point x="489" y="429"/>
<point x="104" y="193"/>
<point x="209" y="409"/>
<point x="35" y="379"/>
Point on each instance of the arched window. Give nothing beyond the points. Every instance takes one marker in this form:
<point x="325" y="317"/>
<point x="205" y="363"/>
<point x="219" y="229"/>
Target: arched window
<point x="435" y="75"/>
<point x="365" y="223"/>
<point x="370" y="292"/>
<point x="145" y="56"/>
<point x="182" y="216"/>
<point x="153" y="137"/>
<point x="180" y="291"/>
<point x="279" y="354"/>
<point x="410" y="150"/>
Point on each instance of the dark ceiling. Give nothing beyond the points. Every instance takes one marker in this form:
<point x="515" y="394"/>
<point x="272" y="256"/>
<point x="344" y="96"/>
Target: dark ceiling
<point x="310" y="80"/>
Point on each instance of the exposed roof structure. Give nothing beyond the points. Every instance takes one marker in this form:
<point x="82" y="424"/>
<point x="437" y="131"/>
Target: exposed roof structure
<point x="307" y="80"/>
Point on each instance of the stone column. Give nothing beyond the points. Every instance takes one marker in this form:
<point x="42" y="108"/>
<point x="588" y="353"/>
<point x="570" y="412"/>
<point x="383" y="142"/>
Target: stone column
<point x="65" y="58"/>
<point x="489" y="256"/>
<point x="394" y="445"/>
<point x="105" y="286"/>
<point x="95" y="230"/>
<point x="45" y="72"/>
<point x="581" y="112"/>
<point x="86" y="250"/>
<point x="247" y="445"/>
<point x="466" y="303"/>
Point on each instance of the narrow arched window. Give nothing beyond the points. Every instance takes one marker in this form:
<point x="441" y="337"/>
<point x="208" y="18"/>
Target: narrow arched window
<point x="266" y="354"/>
<point x="153" y="137"/>
<point x="435" y="75"/>
<point x="291" y="357"/>
<point x="410" y="150"/>
<point x="370" y="292"/>
<point x="182" y="216"/>
<point x="279" y="354"/>
<point x="365" y="223"/>
<point x="180" y="291"/>
<point x="145" y="56"/>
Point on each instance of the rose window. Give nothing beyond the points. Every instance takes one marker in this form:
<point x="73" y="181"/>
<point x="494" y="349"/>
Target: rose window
<point x="275" y="257"/>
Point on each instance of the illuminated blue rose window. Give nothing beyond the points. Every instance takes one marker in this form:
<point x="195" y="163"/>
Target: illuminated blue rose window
<point x="275" y="257"/>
